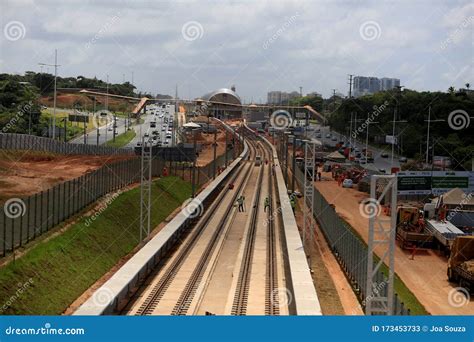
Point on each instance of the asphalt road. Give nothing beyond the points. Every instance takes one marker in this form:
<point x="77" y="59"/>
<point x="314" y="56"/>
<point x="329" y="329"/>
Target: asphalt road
<point x="105" y="133"/>
<point x="153" y="113"/>
<point x="379" y="161"/>
<point x="159" y="115"/>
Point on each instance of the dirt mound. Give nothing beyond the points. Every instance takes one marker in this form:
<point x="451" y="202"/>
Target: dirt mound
<point x="23" y="174"/>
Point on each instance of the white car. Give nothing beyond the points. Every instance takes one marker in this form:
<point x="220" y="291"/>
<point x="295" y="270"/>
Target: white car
<point x="347" y="183"/>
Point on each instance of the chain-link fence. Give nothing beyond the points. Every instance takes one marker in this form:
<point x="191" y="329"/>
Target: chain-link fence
<point x="350" y="251"/>
<point x="13" y="141"/>
<point x="25" y="219"/>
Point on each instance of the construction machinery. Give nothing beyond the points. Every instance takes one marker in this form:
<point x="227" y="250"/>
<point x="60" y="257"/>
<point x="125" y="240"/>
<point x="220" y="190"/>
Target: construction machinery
<point x="411" y="231"/>
<point x="444" y="232"/>
<point x="461" y="262"/>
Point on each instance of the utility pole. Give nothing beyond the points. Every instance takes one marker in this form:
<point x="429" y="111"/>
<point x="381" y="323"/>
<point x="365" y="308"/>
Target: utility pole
<point x="193" y="177"/>
<point x="293" y="165"/>
<point x="394" y="140"/>
<point x="286" y="157"/>
<point x="29" y="121"/>
<point x="395" y="116"/>
<point x="55" y="88"/>
<point x="225" y="130"/>
<point x="301" y="91"/>
<point x="350" y="86"/>
<point x="65" y="129"/>
<point x="114" y="125"/>
<point x="350" y="134"/>
<point x="107" y="96"/>
<point x="97" y="128"/>
<point x="367" y="136"/>
<point x="145" y="188"/>
<point x="428" y="134"/>
<point x="215" y="154"/>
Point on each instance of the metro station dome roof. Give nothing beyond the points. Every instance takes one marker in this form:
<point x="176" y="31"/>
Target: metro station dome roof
<point x="223" y="92"/>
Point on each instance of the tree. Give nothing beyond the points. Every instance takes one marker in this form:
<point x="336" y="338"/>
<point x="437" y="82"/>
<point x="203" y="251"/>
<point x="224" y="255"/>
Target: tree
<point x="451" y="90"/>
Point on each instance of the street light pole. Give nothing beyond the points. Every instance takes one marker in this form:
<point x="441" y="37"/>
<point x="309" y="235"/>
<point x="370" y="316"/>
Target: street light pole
<point x="367" y="137"/>
<point x="428" y="135"/>
<point x="55" y="88"/>
<point x="393" y="135"/>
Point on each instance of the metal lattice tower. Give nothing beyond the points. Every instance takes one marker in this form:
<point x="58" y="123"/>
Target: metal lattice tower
<point x="145" y="188"/>
<point x="382" y="234"/>
<point x="308" y="188"/>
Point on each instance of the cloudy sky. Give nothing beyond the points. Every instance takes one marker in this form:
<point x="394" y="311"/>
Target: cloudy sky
<point x="257" y="46"/>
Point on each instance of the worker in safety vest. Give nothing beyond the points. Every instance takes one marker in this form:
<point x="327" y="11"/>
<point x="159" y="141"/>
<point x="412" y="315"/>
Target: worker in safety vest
<point x="266" y="204"/>
<point x="240" y="202"/>
<point x="293" y="204"/>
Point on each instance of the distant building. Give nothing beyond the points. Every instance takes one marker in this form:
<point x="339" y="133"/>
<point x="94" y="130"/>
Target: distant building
<point x="370" y="85"/>
<point x="280" y="97"/>
<point x="274" y="97"/>
<point x="314" y="93"/>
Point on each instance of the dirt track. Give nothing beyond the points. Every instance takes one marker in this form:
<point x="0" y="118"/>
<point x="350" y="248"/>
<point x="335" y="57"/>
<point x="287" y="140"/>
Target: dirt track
<point x="425" y="276"/>
<point x="23" y="174"/>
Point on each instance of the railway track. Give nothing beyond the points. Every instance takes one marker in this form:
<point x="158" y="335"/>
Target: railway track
<point x="198" y="277"/>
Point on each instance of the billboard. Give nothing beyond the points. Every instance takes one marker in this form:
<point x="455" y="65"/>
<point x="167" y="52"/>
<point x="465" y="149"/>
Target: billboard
<point x="434" y="182"/>
<point x="78" y="118"/>
<point x="300" y="115"/>
<point x="442" y="161"/>
<point x="390" y="139"/>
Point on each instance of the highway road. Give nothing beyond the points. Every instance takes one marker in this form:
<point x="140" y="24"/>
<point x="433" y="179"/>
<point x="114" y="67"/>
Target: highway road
<point x="379" y="161"/>
<point x="154" y="113"/>
<point x="165" y="123"/>
<point x="105" y="133"/>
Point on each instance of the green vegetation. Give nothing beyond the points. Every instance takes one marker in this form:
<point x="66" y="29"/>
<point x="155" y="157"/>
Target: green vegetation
<point x="62" y="268"/>
<point x="18" y="107"/>
<point x="122" y="139"/>
<point x="413" y="107"/>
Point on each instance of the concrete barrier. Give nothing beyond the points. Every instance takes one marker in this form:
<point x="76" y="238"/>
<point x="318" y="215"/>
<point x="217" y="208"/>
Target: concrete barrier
<point x="305" y="300"/>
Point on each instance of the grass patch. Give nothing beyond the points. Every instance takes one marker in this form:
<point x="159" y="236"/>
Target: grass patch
<point x="62" y="268"/>
<point x="122" y="139"/>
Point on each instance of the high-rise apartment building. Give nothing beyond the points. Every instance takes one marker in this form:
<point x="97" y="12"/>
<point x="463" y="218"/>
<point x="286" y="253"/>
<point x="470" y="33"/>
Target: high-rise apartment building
<point x="369" y="85"/>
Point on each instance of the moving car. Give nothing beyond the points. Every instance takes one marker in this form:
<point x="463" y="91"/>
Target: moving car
<point x="328" y="136"/>
<point x="384" y="155"/>
<point x="402" y="159"/>
<point x="347" y="183"/>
